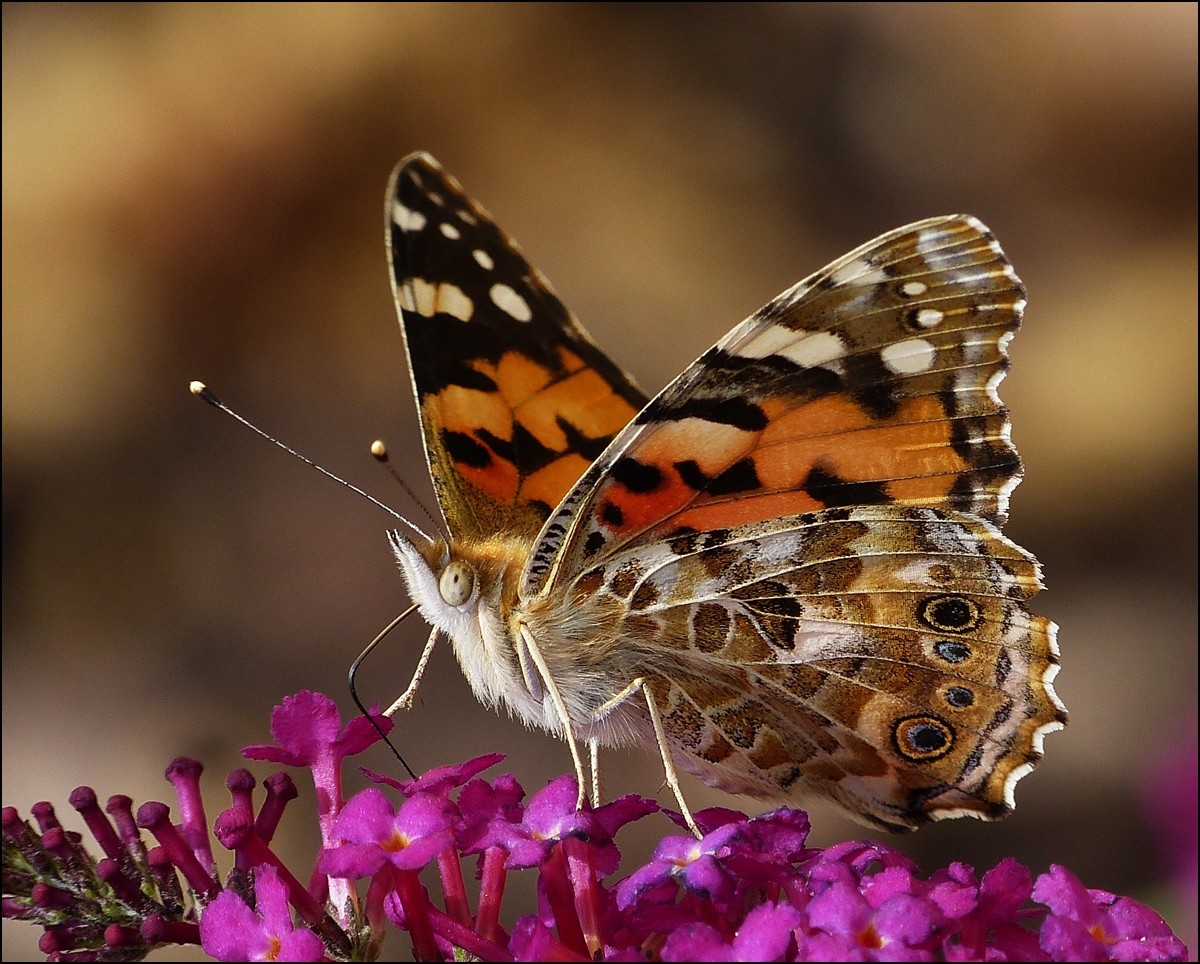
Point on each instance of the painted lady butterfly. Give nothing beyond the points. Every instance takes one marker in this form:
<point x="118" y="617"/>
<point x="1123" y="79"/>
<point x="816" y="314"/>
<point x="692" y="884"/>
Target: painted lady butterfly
<point x="786" y="569"/>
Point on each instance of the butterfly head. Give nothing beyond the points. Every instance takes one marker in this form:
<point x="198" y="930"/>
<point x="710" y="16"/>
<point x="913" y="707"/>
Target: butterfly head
<point x="450" y="582"/>
<point x="443" y="587"/>
<point x="467" y="589"/>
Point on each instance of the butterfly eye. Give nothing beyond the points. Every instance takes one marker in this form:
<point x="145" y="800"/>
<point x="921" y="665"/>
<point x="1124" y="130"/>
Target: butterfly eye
<point x="457" y="583"/>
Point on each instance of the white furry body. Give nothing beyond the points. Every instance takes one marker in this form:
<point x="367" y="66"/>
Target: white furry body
<point x="488" y="632"/>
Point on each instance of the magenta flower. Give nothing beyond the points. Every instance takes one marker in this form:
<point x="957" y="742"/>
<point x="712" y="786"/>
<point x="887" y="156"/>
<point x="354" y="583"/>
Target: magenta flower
<point x="692" y="863"/>
<point x="308" y="733"/>
<point x="1094" y="925"/>
<point x="489" y="809"/>
<point x="841" y="916"/>
<point x="441" y="781"/>
<point x="549" y="817"/>
<point x="376" y="834"/>
<point x="767" y="934"/>
<point x="231" y="931"/>
<point x="393" y="856"/>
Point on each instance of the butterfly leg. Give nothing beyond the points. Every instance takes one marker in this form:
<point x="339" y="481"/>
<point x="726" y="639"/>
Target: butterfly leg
<point x="668" y="763"/>
<point x="660" y="735"/>
<point x="594" y="751"/>
<point x="561" y="707"/>
<point x="405" y="701"/>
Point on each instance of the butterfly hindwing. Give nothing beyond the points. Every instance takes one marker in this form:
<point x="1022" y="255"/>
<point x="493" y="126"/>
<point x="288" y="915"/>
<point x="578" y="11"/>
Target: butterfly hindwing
<point x="515" y="399"/>
<point x="878" y="655"/>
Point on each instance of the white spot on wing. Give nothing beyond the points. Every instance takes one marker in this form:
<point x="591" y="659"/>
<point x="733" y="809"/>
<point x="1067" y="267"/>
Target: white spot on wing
<point x="454" y="302"/>
<point x="510" y="302"/>
<point x="805" y="348"/>
<point x="980" y="279"/>
<point x="428" y="299"/>
<point x="909" y="357"/>
<point x="450" y="231"/>
<point x="483" y="259"/>
<point x="406" y="219"/>
<point x="815" y="349"/>
<point x="1039" y="735"/>
<point x="916" y="573"/>
<point x="993" y="384"/>
<point x="929" y="317"/>
<point x="927" y="243"/>
<point x="1052" y="632"/>
<point x="858" y="272"/>
<point x="930" y="242"/>
<point x="1048" y="679"/>
<point x="914" y="288"/>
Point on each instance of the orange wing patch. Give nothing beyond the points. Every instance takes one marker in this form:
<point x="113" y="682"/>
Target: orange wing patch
<point x="796" y="464"/>
<point x="518" y="444"/>
<point x="583" y="399"/>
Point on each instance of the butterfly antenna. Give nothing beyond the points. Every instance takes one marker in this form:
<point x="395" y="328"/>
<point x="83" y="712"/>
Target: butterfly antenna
<point x="380" y="453"/>
<point x="354" y="689"/>
<point x="204" y="393"/>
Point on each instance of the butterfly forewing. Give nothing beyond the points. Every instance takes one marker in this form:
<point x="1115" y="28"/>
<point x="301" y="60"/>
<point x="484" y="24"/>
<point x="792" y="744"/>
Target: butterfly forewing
<point x="516" y="401"/>
<point x="871" y="382"/>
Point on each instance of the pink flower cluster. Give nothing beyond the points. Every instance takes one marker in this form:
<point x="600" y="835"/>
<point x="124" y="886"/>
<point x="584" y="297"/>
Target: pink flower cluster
<point x="748" y="890"/>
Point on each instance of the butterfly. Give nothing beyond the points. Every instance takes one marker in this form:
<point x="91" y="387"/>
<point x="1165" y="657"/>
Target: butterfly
<point x="785" y="570"/>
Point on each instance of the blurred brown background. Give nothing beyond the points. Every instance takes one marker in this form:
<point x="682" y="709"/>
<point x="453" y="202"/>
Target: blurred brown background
<point x="196" y="191"/>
